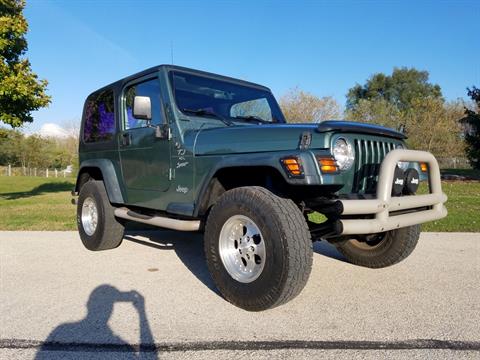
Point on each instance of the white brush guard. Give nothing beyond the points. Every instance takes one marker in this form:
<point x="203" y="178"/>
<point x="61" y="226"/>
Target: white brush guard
<point x="384" y="204"/>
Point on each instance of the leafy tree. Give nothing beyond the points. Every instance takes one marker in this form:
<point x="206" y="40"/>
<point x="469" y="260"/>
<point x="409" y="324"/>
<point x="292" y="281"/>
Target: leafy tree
<point x="471" y="121"/>
<point x="433" y="126"/>
<point x="34" y="151"/>
<point x="300" y="106"/>
<point x="400" y="89"/>
<point x="376" y="111"/>
<point x="9" y="146"/>
<point x="429" y="123"/>
<point x="407" y="101"/>
<point x="21" y="92"/>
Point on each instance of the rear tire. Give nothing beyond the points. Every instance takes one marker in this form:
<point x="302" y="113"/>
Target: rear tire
<point x="98" y="227"/>
<point x="258" y="248"/>
<point x="395" y="246"/>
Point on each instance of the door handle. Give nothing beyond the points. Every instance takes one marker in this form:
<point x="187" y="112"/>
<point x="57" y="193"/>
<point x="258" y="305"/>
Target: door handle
<point x="126" y="139"/>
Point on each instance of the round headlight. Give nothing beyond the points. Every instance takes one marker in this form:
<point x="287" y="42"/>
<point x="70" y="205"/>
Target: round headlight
<point x="343" y="154"/>
<point x="402" y="164"/>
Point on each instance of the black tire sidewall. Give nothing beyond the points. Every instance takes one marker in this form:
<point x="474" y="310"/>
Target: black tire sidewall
<point x="267" y="287"/>
<point x="396" y="246"/>
<point x="90" y="190"/>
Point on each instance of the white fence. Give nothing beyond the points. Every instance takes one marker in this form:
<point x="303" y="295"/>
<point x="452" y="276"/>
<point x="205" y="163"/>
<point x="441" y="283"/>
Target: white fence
<point x="39" y="172"/>
<point x="453" y="163"/>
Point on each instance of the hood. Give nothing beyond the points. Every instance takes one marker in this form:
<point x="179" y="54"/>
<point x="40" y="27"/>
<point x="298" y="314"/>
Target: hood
<point x="278" y="137"/>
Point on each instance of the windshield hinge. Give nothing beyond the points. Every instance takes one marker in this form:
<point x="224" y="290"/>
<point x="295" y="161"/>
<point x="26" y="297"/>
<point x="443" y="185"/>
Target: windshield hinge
<point x="305" y="140"/>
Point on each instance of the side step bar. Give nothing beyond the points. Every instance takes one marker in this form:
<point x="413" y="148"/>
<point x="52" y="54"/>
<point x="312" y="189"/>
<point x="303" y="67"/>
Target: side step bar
<point x="160" y="221"/>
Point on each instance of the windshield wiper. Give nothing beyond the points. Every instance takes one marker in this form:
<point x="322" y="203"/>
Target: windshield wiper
<point x="252" y="118"/>
<point x="203" y="112"/>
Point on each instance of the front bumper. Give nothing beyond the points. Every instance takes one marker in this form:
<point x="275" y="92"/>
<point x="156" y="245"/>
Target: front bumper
<point x="430" y="206"/>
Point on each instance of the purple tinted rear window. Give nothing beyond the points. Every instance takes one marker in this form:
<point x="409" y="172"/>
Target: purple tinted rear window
<point x="99" y="118"/>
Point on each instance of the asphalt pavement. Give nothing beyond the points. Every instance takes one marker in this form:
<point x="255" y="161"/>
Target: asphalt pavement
<point x="153" y="298"/>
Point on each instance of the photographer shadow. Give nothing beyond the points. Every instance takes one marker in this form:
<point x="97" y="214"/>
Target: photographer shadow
<point x="187" y="246"/>
<point x="94" y="335"/>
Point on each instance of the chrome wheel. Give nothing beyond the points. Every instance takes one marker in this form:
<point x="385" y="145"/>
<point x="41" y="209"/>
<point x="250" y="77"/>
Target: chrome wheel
<point x="89" y="216"/>
<point x="242" y="248"/>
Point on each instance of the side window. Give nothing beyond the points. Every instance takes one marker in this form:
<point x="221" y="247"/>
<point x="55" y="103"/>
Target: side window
<point x="150" y="88"/>
<point x="99" y="118"/>
<point x="258" y="108"/>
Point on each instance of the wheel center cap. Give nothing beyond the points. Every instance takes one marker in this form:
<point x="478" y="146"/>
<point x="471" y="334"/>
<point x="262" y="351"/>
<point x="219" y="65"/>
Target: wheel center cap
<point x="244" y="246"/>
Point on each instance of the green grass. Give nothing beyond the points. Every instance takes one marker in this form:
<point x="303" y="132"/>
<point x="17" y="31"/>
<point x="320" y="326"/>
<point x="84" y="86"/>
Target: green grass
<point x="463" y="207"/>
<point x="34" y="203"/>
<point x="30" y="203"/>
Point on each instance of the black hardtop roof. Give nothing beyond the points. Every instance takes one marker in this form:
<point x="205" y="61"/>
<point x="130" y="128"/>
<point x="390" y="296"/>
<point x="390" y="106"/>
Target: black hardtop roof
<point x="166" y="67"/>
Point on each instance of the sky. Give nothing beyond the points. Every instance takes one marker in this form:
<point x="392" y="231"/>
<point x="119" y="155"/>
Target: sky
<point x="323" y="47"/>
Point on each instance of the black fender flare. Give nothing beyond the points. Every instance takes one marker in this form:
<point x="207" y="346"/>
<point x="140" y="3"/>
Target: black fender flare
<point x="266" y="160"/>
<point x="109" y="176"/>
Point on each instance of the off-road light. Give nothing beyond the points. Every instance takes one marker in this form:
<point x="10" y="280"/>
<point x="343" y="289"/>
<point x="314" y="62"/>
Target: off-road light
<point x="327" y="165"/>
<point x="292" y="166"/>
<point x="423" y="167"/>
<point x="398" y="182"/>
<point x="343" y="153"/>
<point x="412" y="180"/>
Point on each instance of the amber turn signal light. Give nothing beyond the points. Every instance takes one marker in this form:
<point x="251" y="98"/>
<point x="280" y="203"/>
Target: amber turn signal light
<point x="327" y="165"/>
<point x="424" y="167"/>
<point x="293" y="166"/>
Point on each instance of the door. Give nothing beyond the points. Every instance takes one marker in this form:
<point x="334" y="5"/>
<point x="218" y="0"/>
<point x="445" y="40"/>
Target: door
<point x="145" y="159"/>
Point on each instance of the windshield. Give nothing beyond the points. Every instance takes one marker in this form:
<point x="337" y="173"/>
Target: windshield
<point x="222" y="101"/>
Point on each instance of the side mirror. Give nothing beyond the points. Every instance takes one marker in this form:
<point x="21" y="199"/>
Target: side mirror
<point x="142" y="108"/>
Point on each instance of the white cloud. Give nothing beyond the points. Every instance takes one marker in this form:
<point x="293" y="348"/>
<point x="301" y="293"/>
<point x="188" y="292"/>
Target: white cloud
<point x="52" y="130"/>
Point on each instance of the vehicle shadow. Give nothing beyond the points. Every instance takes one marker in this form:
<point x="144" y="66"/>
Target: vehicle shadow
<point x="39" y="190"/>
<point x="187" y="246"/>
<point x="326" y="249"/>
<point x="93" y="333"/>
<point x="189" y="249"/>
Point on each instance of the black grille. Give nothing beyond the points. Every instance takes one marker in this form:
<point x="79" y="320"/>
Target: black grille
<point x="368" y="156"/>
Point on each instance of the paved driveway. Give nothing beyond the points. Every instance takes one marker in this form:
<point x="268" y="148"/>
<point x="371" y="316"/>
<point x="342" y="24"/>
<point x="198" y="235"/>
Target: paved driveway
<point x="58" y="300"/>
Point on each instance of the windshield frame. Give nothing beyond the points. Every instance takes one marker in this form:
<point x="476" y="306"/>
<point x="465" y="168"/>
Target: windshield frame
<point x="272" y="101"/>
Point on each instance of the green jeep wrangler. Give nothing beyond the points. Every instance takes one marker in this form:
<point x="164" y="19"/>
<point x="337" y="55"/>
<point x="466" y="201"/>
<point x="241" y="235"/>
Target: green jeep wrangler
<point x="193" y="151"/>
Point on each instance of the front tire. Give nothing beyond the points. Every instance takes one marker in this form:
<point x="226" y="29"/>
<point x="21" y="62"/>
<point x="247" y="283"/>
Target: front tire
<point x="98" y="227"/>
<point x="258" y="248"/>
<point x="382" y="250"/>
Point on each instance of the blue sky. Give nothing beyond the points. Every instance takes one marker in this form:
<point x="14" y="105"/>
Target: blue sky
<point x="323" y="47"/>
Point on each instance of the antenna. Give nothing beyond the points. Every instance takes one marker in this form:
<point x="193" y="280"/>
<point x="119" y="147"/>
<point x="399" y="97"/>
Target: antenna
<point x="171" y="50"/>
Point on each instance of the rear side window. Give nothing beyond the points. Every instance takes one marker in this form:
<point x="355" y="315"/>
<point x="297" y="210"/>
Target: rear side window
<point x="99" y="118"/>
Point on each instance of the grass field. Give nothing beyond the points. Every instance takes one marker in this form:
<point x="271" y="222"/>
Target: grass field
<point x="34" y="203"/>
<point x="29" y="203"/>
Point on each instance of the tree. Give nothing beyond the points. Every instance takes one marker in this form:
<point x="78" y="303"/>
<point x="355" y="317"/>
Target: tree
<point x="303" y="107"/>
<point x="434" y="126"/>
<point x="34" y="151"/>
<point x="21" y="92"/>
<point x="430" y="123"/>
<point x="471" y="121"/>
<point x="376" y="111"/>
<point x="400" y="89"/>
<point x="10" y="141"/>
